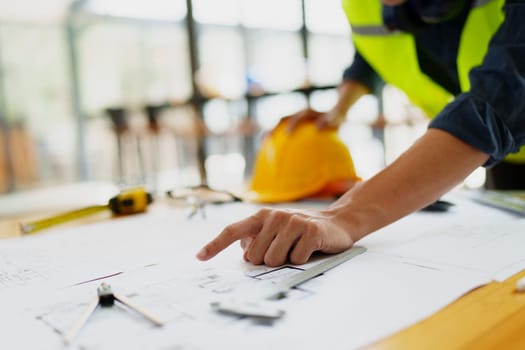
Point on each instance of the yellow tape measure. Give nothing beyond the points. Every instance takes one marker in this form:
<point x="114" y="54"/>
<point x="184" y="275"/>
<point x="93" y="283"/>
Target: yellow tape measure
<point x="130" y="201"/>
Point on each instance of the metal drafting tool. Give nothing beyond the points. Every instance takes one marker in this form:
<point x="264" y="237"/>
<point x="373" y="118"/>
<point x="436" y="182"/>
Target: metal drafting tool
<point x="196" y="206"/>
<point x="130" y="201"/>
<point x="106" y="298"/>
<point x="293" y="281"/>
<point x="248" y="309"/>
<point x="262" y="309"/>
<point x="197" y="197"/>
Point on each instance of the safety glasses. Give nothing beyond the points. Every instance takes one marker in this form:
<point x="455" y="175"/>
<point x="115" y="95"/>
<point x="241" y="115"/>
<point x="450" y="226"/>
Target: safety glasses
<point x="197" y="197"/>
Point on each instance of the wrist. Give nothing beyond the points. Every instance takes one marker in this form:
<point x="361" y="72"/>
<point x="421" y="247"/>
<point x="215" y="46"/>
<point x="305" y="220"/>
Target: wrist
<point x="348" y="222"/>
<point x="356" y="217"/>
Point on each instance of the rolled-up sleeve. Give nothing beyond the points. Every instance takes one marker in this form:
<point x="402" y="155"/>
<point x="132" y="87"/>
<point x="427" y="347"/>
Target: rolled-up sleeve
<point x="362" y="72"/>
<point x="491" y="115"/>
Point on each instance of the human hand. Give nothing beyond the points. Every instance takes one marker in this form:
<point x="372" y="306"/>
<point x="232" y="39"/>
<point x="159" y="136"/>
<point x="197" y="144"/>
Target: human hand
<point x="323" y="120"/>
<point x="275" y="236"/>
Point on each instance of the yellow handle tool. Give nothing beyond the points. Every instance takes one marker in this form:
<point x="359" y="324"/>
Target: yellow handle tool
<point x="130" y="201"/>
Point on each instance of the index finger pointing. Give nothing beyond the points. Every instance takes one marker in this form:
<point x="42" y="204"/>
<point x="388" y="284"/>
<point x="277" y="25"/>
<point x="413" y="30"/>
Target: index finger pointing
<point x="231" y="233"/>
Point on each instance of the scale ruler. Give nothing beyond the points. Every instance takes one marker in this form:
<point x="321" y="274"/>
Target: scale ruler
<point x="265" y="308"/>
<point x="293" y="281"/>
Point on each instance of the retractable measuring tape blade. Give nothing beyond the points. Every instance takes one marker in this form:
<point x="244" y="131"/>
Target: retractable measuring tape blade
<point x="130" y="201"/>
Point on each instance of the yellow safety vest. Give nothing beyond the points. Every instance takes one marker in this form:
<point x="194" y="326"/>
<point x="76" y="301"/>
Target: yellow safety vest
<point x="392" y="54"/>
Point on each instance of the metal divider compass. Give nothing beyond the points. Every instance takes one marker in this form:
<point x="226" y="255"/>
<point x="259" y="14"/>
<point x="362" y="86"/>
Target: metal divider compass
<point x="106" y="298"/>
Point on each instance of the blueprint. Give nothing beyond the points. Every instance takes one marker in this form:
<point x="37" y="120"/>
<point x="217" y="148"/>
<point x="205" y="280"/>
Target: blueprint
<point x="411" y="270"/>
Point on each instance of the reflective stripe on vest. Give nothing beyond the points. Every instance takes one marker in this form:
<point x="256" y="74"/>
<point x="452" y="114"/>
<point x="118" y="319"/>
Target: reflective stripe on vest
<point x="392" y="54"/>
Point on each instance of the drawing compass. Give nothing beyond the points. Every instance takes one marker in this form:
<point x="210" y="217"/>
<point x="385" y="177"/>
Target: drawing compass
<point x="106" y="298"/>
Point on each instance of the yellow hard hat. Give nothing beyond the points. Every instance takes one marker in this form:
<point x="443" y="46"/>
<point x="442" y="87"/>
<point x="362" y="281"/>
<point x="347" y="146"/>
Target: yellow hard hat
<point x="301" y="164"/>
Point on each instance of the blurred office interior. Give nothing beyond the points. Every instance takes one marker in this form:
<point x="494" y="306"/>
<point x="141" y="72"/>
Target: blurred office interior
<point x="173" y="93"/>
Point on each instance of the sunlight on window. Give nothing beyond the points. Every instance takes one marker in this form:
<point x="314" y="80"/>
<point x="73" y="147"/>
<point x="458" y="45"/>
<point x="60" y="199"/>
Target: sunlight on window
<point x="272" y="14"/>
<point x="221" y="71"/>
<point x="216" y="12"/>
<point x="271" y="109"/>
<point x="225" y="170"/>
<point x="217" y="116"/>
<point x="328" y="56"/>
<point x="476" y="179"/>
<point x="326" y="16"/>
<point x="153" y="9"/>
<point x="323" y="100"/>
<point x="276" y="61"/>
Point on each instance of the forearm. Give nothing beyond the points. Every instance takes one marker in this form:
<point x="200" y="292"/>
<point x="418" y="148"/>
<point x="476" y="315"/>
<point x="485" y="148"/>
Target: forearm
<point x="436" y="163"/>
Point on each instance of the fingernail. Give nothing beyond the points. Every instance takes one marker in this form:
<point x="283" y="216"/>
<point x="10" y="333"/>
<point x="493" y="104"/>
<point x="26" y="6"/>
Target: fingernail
<point x="201" y="255"/>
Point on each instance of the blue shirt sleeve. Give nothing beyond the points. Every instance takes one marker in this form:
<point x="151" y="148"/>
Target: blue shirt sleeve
<point x="362" y="72"/>
<point x="491" y="115"/>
